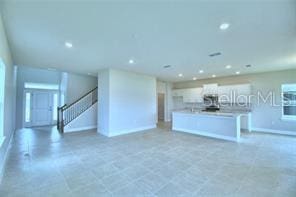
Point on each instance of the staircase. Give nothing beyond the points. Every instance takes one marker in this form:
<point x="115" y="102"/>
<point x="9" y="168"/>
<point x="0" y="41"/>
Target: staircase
<point x="68" y="113"/>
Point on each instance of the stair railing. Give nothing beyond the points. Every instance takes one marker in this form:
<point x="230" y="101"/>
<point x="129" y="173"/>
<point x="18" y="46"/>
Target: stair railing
<point x="68" y="113"/>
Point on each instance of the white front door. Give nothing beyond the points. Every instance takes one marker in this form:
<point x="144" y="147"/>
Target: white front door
<point x="42" y="108"/>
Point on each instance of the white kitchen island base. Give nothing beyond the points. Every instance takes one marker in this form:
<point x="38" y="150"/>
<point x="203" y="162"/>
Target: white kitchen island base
<point x="217" y="125"/>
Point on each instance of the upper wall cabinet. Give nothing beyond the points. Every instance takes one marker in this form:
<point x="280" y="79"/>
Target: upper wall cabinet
<point x="210" y="88"/>
<point x="227" y="94"/>
<point x="234" y="93"/>
<point x="190" y="95"/>
<point x="193" y="95"/>
<point x="177" y="92"/>
<point x="224" y="94"/>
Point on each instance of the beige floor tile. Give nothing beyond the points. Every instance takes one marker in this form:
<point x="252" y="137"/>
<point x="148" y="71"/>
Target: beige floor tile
<point x="151" y="182"/>
<point x="92" y="190"/>
<point x="131" y="190"/>
<point x="115" y="182"/>
<point x="172" y="189"/>
<point x="156" y="162"/>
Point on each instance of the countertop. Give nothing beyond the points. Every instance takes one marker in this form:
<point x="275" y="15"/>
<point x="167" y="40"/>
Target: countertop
<point x="224" y="113"/>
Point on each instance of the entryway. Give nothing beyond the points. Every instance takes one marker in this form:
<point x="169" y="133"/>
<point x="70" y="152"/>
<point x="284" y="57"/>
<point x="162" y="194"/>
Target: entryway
<point x="40" y="107"/>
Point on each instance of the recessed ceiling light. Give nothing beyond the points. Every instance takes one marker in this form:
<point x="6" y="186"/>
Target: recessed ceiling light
<point x="237" y="72"/>
<point x="51" y="69"/>
<point x="180" y="75"/>
<point x="228" y="66"/>
<point x="68" y="44"/>
<point x="201" y="71"/>
<point x="131" y="61"/>
<point x="224" y="26"/>
<point x="194" y="78"/>
<point x="213" y="76"/>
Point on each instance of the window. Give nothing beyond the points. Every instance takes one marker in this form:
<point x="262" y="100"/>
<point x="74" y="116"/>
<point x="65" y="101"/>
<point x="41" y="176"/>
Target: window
<point x="55" y="106"/>
<point x="28" y="107"/>
<point x="2" y="87"/>
<point x="45" y="86"/>
<point x="289" y="101"/>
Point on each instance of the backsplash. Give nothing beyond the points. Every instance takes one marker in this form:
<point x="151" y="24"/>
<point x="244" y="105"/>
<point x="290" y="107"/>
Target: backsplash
<point x="178" y="104"/>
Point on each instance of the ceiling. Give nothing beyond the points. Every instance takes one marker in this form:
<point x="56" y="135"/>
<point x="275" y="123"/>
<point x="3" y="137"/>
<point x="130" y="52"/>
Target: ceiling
<point x="154" y="34"/>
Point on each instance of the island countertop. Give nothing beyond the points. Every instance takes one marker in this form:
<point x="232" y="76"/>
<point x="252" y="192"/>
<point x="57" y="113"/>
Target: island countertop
<point x="222" y="125"/>
<point x="217" y="113"/>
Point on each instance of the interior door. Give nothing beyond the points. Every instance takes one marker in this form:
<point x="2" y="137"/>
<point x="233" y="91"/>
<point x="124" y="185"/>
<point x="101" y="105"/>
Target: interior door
<point x="160" y="106"/>
<point x="41" y="108"/>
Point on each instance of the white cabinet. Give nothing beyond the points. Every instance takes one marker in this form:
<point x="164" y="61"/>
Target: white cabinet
<point x="227" y="94"/>
<point x="224" y="94"/>
<point x="234" y="93"/>
<point x="178" y="92"/>
<point x="210" y="88"/>
<point x="192" y="95"/>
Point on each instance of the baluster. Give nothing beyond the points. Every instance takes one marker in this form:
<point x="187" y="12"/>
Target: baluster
<point x="75" y="112"/>
<point x="67" y="114"/>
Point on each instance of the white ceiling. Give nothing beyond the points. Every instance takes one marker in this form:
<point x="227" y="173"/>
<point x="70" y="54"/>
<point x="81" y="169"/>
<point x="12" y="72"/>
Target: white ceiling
<point x="182" y="34"/>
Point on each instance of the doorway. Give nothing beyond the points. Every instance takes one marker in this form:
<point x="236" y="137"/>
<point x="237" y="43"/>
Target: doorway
<point x="160" y="103"/>
<point x="40" y="107"/>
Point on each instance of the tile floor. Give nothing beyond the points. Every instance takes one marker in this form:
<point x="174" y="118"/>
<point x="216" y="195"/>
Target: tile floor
<point x="156" y="162"/>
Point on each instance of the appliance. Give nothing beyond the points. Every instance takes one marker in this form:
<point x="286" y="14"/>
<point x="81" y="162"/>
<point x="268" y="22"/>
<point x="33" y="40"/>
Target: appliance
<point x="211" y="101"/>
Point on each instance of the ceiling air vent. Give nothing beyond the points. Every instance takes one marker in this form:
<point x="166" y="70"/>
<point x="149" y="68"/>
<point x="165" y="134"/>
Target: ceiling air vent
<point x="167" y="66"/>
<point x="215" y="54"/>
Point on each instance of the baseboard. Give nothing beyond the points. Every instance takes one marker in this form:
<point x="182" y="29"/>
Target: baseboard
<point x="127" y="131"/>
<point x="274" y="131"/>
<point x="80" y="129"/>
<point x="6" y="152"/>
<point x="202" y="133"/>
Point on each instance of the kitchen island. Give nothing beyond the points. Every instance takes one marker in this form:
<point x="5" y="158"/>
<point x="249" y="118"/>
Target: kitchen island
<point x="221" y="125"/>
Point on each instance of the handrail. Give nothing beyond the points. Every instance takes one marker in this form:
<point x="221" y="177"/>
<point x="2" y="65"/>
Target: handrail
<point x="68" y="106"/>
<point x="67" y="113"/>
<point x="63" y="107"/>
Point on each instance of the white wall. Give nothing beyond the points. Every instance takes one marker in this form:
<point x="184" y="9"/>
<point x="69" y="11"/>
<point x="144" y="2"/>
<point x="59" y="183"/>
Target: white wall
<point x="103" y="101"/>
<point x="35" y="75"/>
<point x="78" y="85"/>
<point x="9" y="100"/>
<point x="264" y="116"/>
<point x="127" y="102"/>
<point x="85" y="121"/>
<point x="161" y="87"/>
